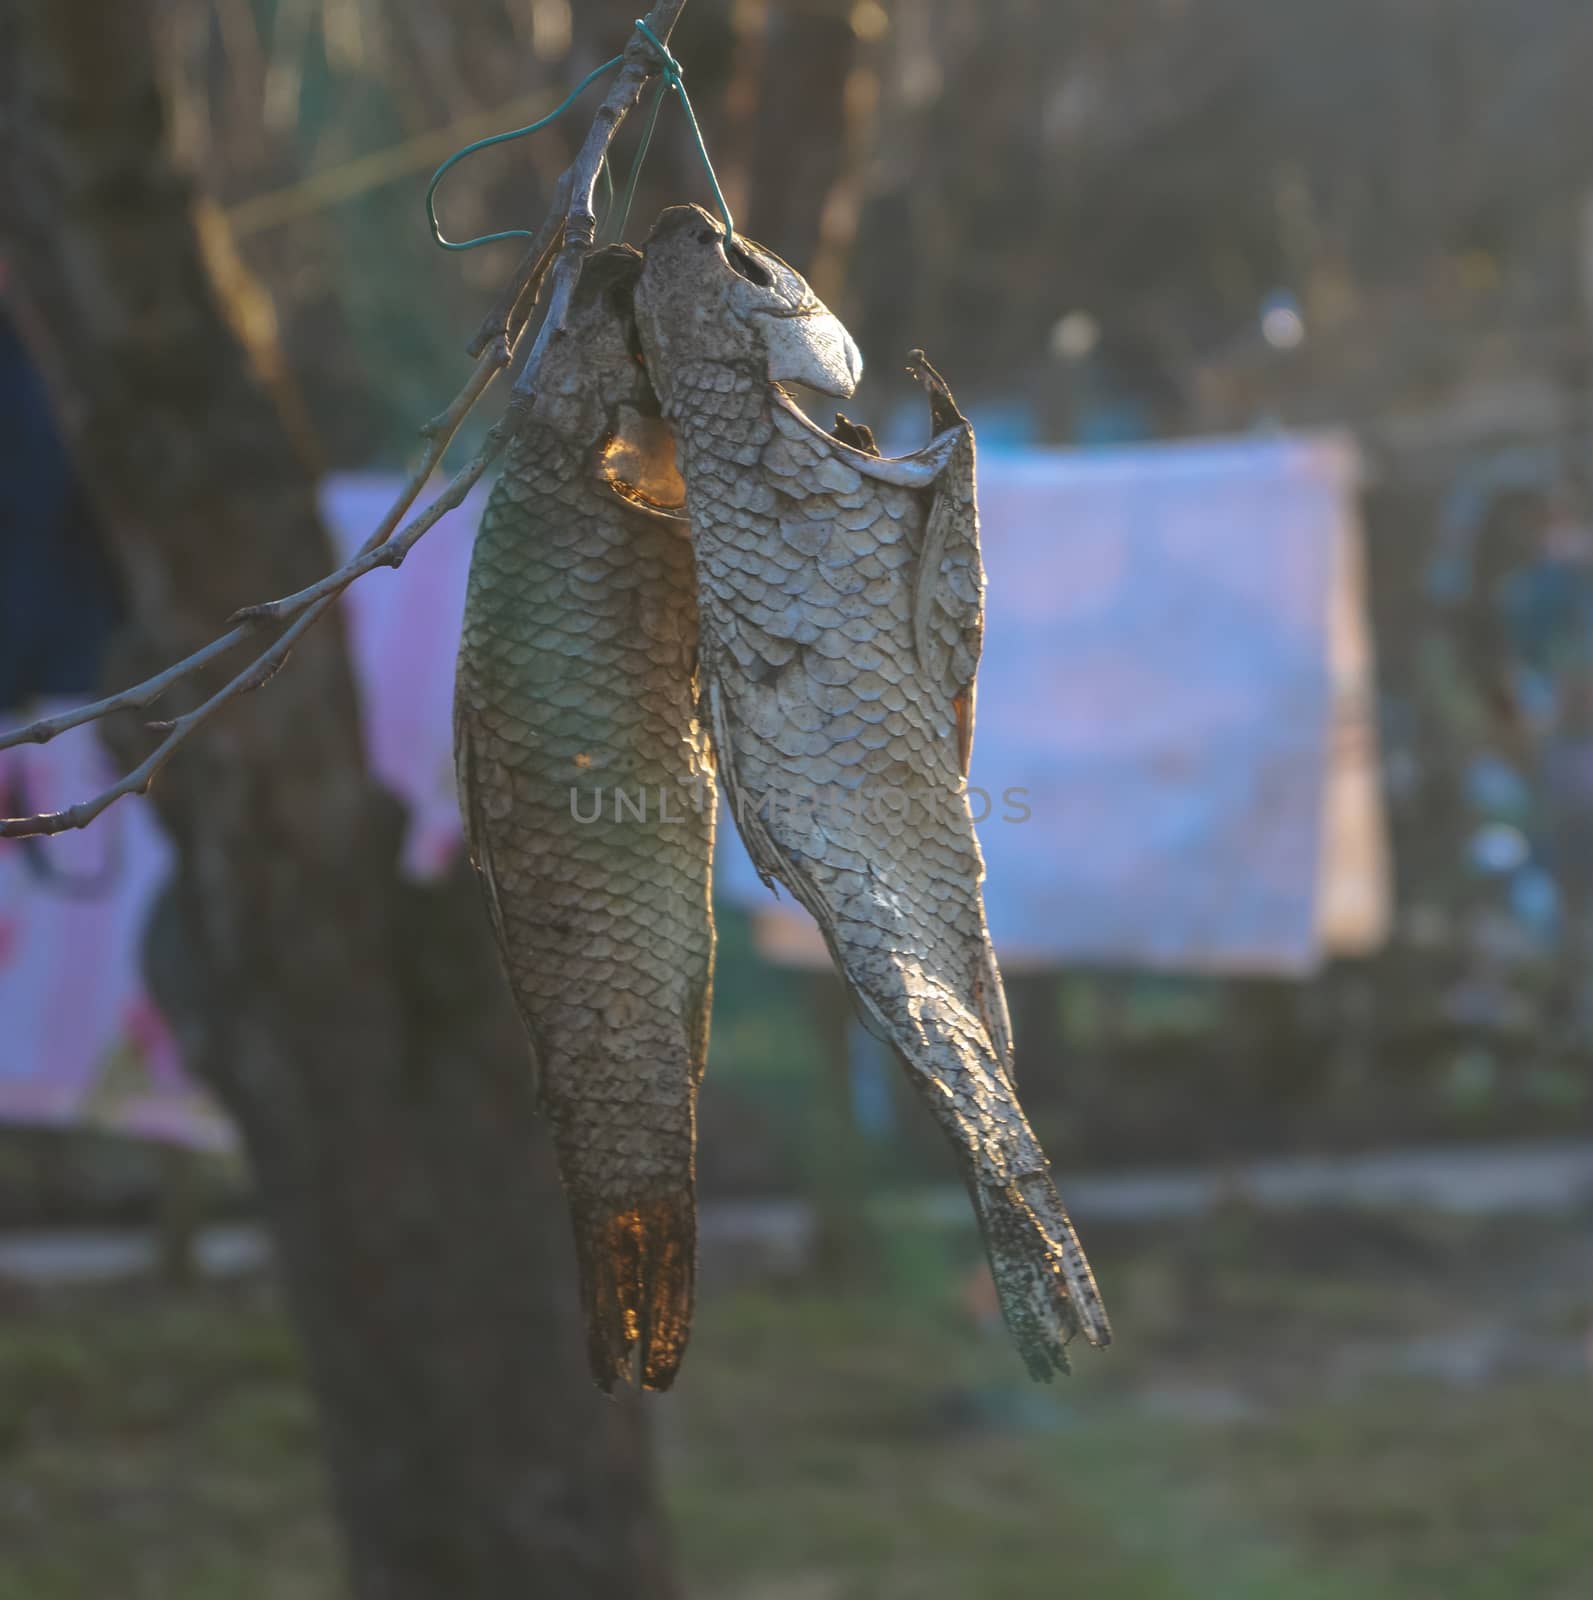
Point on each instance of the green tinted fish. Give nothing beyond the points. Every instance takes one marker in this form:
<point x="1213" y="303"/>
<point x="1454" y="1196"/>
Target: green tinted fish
<point x="587" y="790"/>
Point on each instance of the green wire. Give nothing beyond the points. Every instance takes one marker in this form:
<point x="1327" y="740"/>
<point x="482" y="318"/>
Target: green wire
<point x="636" y="164"/>
<point x="606" y="173"/>
<point x="670" y="72"/>
<point x="502" y="138"/>
<point x="672" y="80"/>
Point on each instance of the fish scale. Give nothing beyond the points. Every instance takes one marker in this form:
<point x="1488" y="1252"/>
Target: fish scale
<point x="841" y="616"/>
<point x="576" y="679"/>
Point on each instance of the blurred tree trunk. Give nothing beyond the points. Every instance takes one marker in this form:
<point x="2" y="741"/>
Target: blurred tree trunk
<point x="355" y="1026"/>
<point x="788" y="179"/>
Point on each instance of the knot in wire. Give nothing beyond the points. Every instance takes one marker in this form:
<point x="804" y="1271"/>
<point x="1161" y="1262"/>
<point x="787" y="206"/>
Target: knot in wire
<point x="668" y="67"/>
<point x="670" y="75"/>
<point x="671" y="79"/>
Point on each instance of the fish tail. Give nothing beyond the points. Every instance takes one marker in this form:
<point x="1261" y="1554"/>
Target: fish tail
<point x="1042" y="1278"/>
<point x="1044" y="1282"/>
<point x="638" y="1272"/>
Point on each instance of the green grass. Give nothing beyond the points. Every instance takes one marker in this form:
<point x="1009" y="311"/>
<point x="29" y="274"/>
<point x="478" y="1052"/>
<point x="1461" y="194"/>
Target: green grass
<point x="1464" y="1495"/>
<point x="1246" y="1439"/>
<point x="852" y="1453"/>
<point x="158" y="1448"/>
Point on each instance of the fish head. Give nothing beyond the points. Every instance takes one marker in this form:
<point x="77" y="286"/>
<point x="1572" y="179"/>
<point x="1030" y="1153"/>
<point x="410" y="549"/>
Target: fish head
<point x="702" y="298"/>
<point x="592" y="366"/>
<point x="592" y="387"/>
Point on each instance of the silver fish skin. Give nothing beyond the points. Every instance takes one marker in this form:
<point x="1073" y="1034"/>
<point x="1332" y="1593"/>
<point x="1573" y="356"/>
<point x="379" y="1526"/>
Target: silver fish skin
<point x="575" y="709"/>
<point x="841" y="599"/>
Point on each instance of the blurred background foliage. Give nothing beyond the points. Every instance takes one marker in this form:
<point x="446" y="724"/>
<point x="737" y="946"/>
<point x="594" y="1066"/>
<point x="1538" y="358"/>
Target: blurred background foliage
<point x="1394" y="173"/>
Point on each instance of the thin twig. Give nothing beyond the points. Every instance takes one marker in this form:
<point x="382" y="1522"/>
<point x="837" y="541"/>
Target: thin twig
<point x="493" y="347"/>
<point x="388" y="552"/>
<point x="512" y="310"/>
<point x="439" y="433"/>
<point x="580" y="214"/>
<point x="306" y="608"/>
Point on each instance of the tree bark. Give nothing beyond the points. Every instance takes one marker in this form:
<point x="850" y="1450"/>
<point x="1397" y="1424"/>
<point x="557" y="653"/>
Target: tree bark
<point x="355" y="1026"/>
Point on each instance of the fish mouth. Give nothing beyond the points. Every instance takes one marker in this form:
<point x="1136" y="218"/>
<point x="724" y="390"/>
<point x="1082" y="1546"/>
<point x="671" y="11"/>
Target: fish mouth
<point x="810" y="345"/>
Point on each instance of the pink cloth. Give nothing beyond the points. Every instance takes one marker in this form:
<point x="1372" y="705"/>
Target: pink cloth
<point x="81" y="1042"/>
<point x="1156" y="680"/>
<point x="1155" y="703"/>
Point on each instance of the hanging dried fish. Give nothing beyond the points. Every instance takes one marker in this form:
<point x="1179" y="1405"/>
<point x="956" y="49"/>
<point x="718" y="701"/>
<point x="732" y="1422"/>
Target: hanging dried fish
<point x="842" y="612"/>
<point x="588" y="797"/>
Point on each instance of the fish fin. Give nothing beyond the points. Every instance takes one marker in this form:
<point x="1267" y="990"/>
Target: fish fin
<point x="949" y="595"/>
<point x="990" y="997"/>
<point x="943" y="412"/>
<point x="858" y="435"/>
<point x="766" y="856"/>
<point x="962" y="709"/>
<point x="1046" y="1288"/>
<point x="478" y="836"/>
<point x="918" y="470"/>
<point x="638" y="1273"/>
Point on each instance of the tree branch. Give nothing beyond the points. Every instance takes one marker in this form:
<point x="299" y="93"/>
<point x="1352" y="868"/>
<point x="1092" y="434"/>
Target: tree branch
<point x="573" y="216"/>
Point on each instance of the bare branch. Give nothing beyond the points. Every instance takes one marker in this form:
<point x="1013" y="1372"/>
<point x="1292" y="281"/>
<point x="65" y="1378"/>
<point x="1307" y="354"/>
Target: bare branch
<point x="580" y="215"/>
<point x="572" y="216"/>
<point x="572" y="211"/>
<point x="305" y="609"/>
<point x="386" y="553"/>
<point x="512" y="309"/>
<point x="439" y="433"/>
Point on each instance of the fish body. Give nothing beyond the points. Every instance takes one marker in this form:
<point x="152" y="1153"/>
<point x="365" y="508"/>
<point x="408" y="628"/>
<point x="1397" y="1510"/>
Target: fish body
<point x="841" y="601"/>
<point x="587" y="790"/>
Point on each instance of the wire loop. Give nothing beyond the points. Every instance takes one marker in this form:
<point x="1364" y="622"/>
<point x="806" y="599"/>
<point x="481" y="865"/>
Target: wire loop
<point x="669" y="70"/>
<point x="502" y="138"/>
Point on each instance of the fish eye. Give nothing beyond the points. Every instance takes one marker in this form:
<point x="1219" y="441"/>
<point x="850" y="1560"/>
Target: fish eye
<point x="749" y="267"/>
<point x="741" y="263"/>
